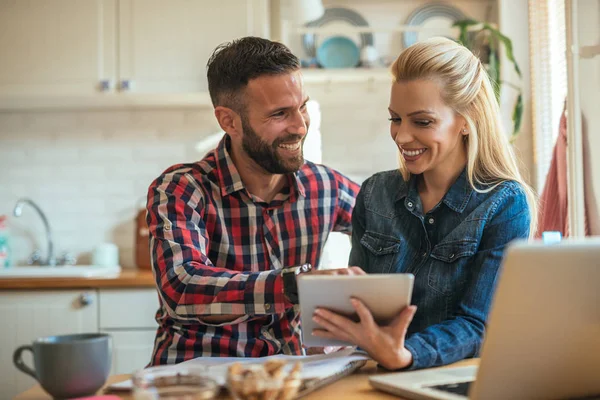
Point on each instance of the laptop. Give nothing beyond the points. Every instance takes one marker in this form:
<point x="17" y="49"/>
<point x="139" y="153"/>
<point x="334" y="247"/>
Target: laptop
<point x="543" y="334"/>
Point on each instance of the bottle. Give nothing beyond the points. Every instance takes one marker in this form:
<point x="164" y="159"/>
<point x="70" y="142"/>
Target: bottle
<point x="4" y="245"/>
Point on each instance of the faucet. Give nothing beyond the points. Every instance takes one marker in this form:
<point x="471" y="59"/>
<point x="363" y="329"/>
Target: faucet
<point x="35" y="258"/>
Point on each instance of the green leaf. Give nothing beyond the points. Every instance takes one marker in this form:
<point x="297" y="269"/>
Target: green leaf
<point x="507" y="45"/>
<point x="464" y="25"/>
<point x="494" y="73"/>
<point x="517" y="115"/>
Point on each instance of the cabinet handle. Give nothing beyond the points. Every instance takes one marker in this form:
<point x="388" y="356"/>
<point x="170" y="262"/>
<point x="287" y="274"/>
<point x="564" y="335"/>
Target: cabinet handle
<point x="85" y="299"/>
<point x="126" y="85"/>
<point x="105" y="85"/>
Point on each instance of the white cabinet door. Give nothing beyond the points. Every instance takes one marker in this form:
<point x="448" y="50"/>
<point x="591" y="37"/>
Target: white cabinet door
<point x="132" y="350"/>
<point x="164" y="45"/>
<point x="128" y="308"/>
<point x="128" y="316"/>
<point x="64" y="47"/>
<point x="28" y="315"/>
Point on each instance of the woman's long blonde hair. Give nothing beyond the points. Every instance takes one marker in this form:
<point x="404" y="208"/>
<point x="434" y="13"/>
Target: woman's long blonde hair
<point x="466" y="88"/>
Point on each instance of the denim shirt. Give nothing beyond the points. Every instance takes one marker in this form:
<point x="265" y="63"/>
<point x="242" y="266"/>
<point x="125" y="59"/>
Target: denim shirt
<point x="454" y="251"/>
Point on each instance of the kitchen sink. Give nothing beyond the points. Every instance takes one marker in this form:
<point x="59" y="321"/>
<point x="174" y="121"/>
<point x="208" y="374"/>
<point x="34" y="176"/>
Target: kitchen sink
<point x="71" y="271"/>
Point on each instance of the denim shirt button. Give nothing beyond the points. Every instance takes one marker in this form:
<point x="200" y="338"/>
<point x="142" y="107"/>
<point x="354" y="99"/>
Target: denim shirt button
<point x="451" y="256"/>
<point x="379" y="248"/>
<point x="424" y="254"/>
<point x="431" y="221"/>
<point x="409" y="204"/>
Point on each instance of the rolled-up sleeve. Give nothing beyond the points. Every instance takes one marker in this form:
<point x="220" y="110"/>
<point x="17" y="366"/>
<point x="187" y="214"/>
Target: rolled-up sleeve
<point x="189" y="284"/>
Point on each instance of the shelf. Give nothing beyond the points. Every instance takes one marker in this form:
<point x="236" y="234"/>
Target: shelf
<point x="367" y="29"/>
<point x="346" y="75"/>
<point x="589" y="51"/>
<point x="104" y="101"/>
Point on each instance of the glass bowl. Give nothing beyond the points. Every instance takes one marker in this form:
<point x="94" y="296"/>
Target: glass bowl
<point x="173" y="383"/>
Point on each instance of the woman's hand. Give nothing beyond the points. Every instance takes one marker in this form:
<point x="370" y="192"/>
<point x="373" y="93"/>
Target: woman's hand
<point x="385" y="344"/>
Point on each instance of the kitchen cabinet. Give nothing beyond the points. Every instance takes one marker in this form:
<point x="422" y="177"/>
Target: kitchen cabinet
<point x="48" y="47"/>
<point x="128" y="316"/>
<point x="28" y="315"/>
<point x="113" y="47"/>
<point x="164" y="46"/>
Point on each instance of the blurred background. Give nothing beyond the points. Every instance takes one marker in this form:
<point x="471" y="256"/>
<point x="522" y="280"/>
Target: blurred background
<point x="98" y="97"/>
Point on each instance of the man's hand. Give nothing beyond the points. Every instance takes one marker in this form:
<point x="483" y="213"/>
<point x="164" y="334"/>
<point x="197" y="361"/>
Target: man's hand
<point x="339" y="271"/>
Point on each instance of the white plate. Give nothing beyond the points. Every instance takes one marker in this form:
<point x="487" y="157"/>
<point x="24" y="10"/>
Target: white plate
<point x="434" y="16"/>
<point x="335" y="17"/>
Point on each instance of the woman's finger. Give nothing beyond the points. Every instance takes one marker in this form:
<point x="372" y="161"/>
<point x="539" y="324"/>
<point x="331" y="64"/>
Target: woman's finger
<point x="334" y="319"/>
<point x="366" y="318"/>
<point x="329" y="335"/>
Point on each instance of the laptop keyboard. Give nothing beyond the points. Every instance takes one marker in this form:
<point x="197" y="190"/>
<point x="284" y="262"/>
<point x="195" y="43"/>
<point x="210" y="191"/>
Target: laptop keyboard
<point x="461" y="388"/>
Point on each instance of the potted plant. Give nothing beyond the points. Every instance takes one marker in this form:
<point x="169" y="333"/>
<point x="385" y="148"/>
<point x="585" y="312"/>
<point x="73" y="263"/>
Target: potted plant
<point x="484" y="40"/>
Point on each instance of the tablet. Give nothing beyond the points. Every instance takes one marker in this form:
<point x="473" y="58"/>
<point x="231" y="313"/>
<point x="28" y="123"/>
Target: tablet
<point x="386" y="295"/>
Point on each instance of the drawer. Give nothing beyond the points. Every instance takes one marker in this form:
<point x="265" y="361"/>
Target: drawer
<point x="127" y="308"/>
<point x="132" y="350"/>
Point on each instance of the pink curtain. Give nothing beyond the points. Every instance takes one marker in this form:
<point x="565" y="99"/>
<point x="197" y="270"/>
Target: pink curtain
<point x="553" y="207"/>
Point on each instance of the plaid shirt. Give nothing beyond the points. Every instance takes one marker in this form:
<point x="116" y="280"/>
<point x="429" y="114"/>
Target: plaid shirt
<point x="216" y="250"/>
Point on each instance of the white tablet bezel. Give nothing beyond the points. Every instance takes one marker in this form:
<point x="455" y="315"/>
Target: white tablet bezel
<point x="386" y="295"/>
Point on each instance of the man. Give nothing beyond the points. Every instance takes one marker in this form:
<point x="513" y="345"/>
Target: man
<point x="228" y="233"/>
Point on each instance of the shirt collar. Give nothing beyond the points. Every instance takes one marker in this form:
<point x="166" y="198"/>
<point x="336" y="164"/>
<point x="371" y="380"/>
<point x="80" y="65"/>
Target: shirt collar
<point x="456" y="198"/>
<point x="459" y="194"/>
<point x="230" y="178"/>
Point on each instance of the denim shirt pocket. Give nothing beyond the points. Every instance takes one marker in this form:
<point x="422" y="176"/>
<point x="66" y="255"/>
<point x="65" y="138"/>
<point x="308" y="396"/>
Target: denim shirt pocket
<point x="449" y="268"/>
<point x="382" y="251"/>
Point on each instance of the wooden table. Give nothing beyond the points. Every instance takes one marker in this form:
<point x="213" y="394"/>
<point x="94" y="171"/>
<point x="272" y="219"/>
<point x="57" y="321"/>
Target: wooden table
<point x="353" y="387"/>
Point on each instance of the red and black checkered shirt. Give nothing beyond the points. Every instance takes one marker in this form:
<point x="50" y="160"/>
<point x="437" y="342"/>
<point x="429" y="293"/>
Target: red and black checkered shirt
<point x="216" y="250"/>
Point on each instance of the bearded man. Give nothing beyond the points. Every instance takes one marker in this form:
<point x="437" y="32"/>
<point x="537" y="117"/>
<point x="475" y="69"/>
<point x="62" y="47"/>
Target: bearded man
<point x="229" y="234"/>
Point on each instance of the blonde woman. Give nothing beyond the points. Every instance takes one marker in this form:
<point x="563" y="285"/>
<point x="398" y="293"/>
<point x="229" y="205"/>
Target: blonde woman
<point x="446" y="216"/>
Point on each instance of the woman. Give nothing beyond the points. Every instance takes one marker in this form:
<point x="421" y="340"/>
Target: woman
<point x="446" y="216"/>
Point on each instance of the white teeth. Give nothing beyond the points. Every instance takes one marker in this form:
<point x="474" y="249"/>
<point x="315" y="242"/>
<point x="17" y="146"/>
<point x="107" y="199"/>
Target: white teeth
<point x="294" y="146"/>
<point x="412" y="153"/>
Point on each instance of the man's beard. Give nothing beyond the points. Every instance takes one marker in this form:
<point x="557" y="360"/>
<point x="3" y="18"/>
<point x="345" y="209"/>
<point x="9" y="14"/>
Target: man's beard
<point x="266" y="155"/>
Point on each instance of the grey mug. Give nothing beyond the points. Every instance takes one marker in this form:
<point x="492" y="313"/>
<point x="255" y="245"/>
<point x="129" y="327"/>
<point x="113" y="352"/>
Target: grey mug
<point x="68" y="365"/>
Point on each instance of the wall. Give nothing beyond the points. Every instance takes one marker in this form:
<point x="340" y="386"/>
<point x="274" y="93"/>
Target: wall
<point x="589" y="89"/>
<point x="89" y="171"/>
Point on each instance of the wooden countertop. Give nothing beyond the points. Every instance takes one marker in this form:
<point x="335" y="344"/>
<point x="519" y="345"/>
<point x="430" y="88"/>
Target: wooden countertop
<point x="352" y="387"/>
<point x="129" y="278"/>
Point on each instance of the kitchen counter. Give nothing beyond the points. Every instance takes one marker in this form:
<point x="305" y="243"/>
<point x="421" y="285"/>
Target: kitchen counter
<point x="129" y="278"/>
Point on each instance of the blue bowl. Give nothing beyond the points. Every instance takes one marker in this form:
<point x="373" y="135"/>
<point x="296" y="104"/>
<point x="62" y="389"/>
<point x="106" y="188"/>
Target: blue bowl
<point x="338" y="52"/>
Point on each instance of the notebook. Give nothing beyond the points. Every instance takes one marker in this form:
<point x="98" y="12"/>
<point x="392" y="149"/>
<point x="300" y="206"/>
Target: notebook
<point x="317" y="370"/>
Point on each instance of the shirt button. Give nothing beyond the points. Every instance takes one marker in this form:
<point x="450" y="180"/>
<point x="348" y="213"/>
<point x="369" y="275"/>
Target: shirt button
<point x="424" y="254"/>
<point x="267" y="306"/>
<point x="451" y="256"/>
<point x="431" y="221"/>
<point x="167" y="227"/>
<point x="409" y="204"/>
<point x="379" y="248"/>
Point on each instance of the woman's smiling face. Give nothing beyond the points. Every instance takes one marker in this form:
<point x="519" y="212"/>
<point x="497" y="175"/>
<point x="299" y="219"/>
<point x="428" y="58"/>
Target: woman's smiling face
<point x="428" y="132"/>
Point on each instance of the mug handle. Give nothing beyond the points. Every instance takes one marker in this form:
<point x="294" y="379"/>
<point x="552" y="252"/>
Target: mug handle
<point x="20" y="364"/>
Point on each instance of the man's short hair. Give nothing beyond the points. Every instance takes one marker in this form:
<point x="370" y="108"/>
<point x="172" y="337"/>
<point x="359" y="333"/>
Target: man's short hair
<point x="232" y="65"/>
